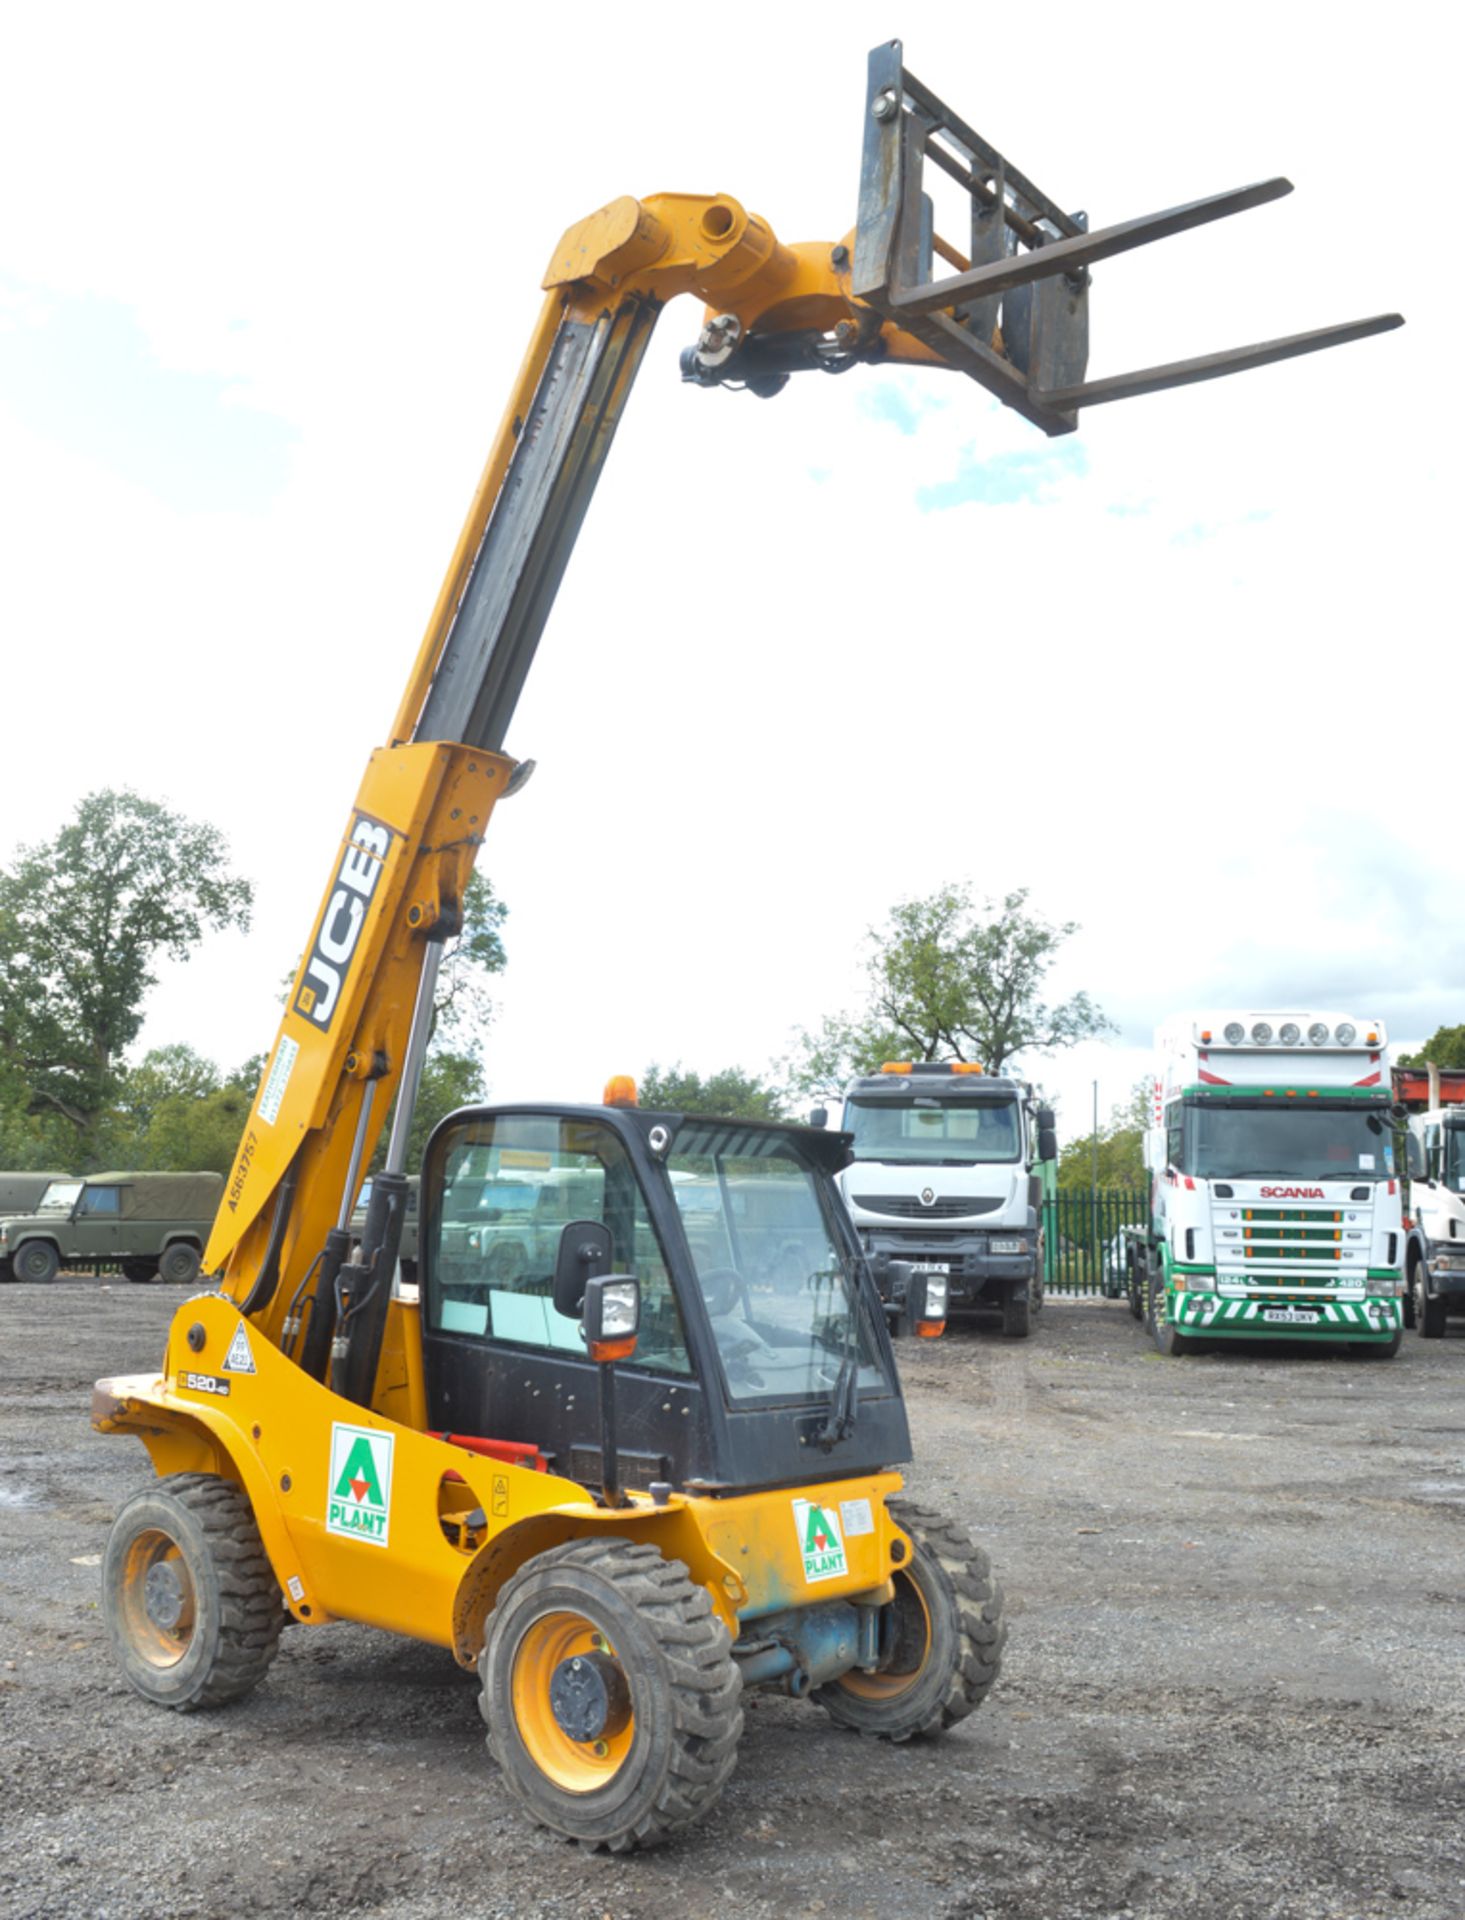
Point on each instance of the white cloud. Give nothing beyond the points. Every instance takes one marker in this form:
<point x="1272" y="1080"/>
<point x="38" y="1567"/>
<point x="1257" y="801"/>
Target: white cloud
<point x="1166" y="689"/>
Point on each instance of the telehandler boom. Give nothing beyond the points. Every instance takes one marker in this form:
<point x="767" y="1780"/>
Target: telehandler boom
<point x="632" y="1449"/>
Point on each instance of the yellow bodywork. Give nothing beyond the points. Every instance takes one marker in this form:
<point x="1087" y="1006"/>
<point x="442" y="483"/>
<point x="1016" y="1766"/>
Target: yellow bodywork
<point x="398" y="877"/>
<point x="435" y="1576"/>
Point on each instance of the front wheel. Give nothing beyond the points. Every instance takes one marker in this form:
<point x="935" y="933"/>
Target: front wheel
<point x="1429" y="1308"/>
<point x="36" y="1262"/>
<point x="941" y="1638"/>
<point x="1167" y="1337"/>
<point x="190" y="1601"/>
<point x="612" y="1698"/>
<point x="1017" y="1314"/>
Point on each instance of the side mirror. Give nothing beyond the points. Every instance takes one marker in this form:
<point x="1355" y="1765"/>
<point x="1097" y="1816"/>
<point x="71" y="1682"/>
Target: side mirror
<point x="818" y="1116"/>
<point x="1047" y="1118"/>
<point x="584" y="1254"/>
<point x="1413" y="1156"/>
<point x="925" y="1303"/>
<point x="1047" y="1143"/>
<point x="612" y="1317"/>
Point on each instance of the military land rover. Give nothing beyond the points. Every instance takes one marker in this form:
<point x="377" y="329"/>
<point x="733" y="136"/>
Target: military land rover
<point x="152" y="1225"/>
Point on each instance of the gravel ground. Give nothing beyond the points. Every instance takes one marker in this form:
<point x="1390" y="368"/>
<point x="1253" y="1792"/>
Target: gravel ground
<point x="1233" y="1685"/>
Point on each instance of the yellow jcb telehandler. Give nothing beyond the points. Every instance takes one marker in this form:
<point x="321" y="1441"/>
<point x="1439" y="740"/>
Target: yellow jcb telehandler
<point x="632" y="1449"/>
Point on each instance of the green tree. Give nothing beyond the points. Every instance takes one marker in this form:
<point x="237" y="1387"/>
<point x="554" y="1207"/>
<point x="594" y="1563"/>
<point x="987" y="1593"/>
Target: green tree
<point x="84" y="920"/>
<point x="948" y="980"/>
<point x="449" y="1080"/>
<point x="1120" y="1149"/>
<point x="730" y="1094"/>
<point x="1445" y="1048"/>
<point x="463" y="1010"/>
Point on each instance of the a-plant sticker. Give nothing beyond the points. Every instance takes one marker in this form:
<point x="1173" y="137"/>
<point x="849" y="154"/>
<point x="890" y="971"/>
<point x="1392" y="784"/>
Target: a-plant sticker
<point x="359" y="1496"/>
<point x="819" y="1541"/>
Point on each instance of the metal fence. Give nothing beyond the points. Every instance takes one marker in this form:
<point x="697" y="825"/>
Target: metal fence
<point x="1083" y="1237"/>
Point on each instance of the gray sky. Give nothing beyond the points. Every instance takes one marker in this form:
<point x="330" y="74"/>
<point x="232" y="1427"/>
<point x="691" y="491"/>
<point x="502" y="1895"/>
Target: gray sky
<point x="266" y="276"/>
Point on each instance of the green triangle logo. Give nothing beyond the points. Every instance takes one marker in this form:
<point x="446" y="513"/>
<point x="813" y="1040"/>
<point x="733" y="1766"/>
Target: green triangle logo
<point x="819" y="1535"/>
<point x="358" y="1479"/>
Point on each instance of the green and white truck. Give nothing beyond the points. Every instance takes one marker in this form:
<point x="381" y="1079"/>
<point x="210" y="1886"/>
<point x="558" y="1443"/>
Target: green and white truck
<point x="1276" y="1209"/>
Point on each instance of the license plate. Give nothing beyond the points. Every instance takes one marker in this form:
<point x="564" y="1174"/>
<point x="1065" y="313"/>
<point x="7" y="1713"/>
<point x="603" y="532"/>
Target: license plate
<point x="929" y="1266"/>
<point x="1290" y="1316"/>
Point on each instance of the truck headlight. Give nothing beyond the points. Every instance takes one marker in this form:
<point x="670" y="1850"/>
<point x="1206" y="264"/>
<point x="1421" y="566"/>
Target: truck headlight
<point x="1009" y="1246"/>
<point x="1200" y="1283"/>
<point x="1235" y="1033"/>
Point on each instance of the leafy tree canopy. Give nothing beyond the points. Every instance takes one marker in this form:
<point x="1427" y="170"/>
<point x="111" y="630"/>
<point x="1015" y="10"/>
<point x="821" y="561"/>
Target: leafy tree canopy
<point x="949" y="980"/>
<point x="84" y="920"/>
<point x="730" y="1094"/>
<point x="1445" y="1047"/>
<point x="1120" y="1155"/>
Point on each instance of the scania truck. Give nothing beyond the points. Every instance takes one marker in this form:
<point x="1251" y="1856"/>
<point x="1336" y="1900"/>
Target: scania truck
<point x="1276" y="1209"/>
<point x="944" y="1181"/>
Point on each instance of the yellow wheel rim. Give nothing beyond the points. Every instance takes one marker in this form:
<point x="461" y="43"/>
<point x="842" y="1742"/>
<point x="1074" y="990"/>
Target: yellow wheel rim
<point x="912" y="1656"/>
<point x="159" y="1603"/>
<point x="578" y="1766"/>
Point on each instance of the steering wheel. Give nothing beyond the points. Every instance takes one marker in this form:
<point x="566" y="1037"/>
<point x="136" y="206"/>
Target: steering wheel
<point x="722" y="1289"/>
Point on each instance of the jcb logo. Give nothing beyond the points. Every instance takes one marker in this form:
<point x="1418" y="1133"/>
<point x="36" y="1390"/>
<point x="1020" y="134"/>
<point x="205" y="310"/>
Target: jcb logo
<point x="326" y="964"/>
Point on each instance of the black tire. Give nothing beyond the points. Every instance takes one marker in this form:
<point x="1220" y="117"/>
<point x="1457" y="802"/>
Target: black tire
<point x="948" y="1638"/>
<point x="140" y="1272"/>
<point x="1429" y="1308"/>
<point x="189" y="1597"/>
<point x="650" y="1629"/>
<point x="1168" y="1340"/>
<point x="1407" y="1302"/>
<point x="180" y="1264"/>
<point x="1017" y="1314"/>
<point x="36" y="1262"/>
<point x="1134" y="1287"/>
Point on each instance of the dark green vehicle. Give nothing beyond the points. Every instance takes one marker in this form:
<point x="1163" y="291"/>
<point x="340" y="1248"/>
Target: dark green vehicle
<point x="24" y="1192"/>
<point x="153" y="1225"/>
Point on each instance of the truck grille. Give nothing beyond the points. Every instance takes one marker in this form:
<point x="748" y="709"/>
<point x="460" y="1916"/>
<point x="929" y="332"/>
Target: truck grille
<point x="904" y="1206"/>
<point x="1296" y="1246"/>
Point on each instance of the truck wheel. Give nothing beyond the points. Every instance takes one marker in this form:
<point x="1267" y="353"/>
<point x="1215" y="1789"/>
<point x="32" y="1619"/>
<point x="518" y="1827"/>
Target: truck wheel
<point x="612" y="1698"/>
<point x="190" y="1601"/>
<point x="1429" y="1308"/>
<point x="140" y="1272"/>
<point x="37" y="1262"/>
<point x="180" y="1264"/>
<point x="1133" y="1288"/>
<point x="946" y="1634"/>
<point x="1168" y="1339"/>
<point x="1017" y="1316"/>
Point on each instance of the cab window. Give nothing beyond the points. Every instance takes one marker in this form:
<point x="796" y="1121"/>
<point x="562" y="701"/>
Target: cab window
<point x="104" y="1201"/>
<point x="510" y="1184"/>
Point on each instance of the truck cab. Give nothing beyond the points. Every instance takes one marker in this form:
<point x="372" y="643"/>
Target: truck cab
<point x="1435" y="1248"/>
<point x="944" y="1181"/>
<point x="1276" y="1201"/>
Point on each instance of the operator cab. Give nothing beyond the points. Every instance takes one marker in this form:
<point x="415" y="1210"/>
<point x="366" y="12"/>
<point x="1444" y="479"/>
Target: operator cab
<point x="762" y="1354"/>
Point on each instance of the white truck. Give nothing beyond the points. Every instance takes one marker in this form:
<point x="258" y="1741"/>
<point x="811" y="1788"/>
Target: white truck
<point x="1276" y="1206"/>
<point x="1434" y="1244"/>
<point x="944" y="1180"/>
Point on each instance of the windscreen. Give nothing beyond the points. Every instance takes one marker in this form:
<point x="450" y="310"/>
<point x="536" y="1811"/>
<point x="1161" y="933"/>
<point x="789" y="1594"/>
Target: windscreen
<point x="929" y="1131"/>
<point x="1455" y="1158"/>
<point x="60" y="1196"/>
<point x="1292" y="1142"/>
<point x="780" y="1285"/>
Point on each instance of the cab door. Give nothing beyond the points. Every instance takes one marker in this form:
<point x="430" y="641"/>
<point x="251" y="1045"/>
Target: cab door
<point x="96" y="1230"/>
<point x="500" y="1362"/>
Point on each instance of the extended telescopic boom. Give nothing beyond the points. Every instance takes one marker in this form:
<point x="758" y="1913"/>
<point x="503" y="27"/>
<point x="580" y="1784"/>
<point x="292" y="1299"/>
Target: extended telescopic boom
<point x="1013" y="315"/>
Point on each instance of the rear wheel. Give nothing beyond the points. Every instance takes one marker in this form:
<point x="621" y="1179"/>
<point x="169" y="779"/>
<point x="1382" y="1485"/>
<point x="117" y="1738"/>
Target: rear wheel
<point x="1429" y="1309"/>
<point x="612" y="1699"/>
<point x="1017" y="1314"/>
<point x="944" y="1631"/>
<point x="1134" y="1285"/>
<point x="190" y="1600"/>
<point x="180" y="1264"/>
<point x="37" y="1262"/>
